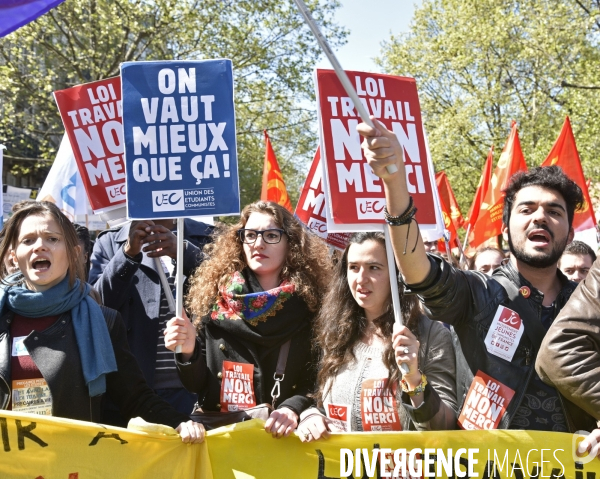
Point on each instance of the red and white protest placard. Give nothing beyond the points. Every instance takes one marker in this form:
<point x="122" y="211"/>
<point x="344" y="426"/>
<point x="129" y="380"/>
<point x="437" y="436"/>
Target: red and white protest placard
<point x="378" y="406"/>
<point x="502" y="339"/>
<point x="92" y="117"/>
<point x="237" y="386"/>
<point x="485" y="403"/>
<point x="356" y="195"/>
<point x="311" y="207"/>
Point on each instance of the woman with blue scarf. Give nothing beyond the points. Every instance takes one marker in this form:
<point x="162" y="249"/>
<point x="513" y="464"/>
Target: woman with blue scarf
<point x="253" y="300"/>
<point x="60" y="352"/>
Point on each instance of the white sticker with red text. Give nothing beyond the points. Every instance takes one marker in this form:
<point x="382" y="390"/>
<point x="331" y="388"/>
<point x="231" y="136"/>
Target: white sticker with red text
<point x="237" y="386"/>
<point x="504" y="334"/>
<point x="378" y="406"/>
<point x="339" y="415"/>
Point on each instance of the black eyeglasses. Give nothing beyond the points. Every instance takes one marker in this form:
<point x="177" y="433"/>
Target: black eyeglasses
<point x="272" y="236"/>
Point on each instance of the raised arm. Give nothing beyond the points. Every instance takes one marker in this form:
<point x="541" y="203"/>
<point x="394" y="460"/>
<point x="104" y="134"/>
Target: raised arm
<point x="382" y="148"/>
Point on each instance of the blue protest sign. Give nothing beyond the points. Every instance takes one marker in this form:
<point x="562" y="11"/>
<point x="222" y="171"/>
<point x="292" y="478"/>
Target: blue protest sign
<point x="180" y="145"/>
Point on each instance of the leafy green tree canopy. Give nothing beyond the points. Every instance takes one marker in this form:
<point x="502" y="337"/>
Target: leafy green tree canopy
<point x="272" y="50"/>
<point x="481" y="63"/>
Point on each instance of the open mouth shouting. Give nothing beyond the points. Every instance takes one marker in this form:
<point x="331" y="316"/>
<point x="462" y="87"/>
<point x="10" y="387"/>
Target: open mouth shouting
<point x="540" y="237"/>
<point x="41" y="265"/>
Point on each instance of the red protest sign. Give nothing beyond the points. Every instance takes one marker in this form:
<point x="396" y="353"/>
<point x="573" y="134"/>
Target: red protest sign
<point x="378" y="408"/>
<point x="92" y="117"/>
<point x="356" y="194"/>
<point x="311" y="206"/>
<point x="485" y="403"/>
<point x="237" y="386"/>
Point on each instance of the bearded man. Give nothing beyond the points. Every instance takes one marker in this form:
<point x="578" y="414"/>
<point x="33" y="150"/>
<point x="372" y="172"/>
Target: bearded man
<point x="500" y="320"/>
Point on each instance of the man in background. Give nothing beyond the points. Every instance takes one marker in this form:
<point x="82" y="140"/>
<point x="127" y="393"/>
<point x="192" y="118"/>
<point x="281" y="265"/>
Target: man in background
<point x="125" y="274"/>
<point x="577" y="260"/>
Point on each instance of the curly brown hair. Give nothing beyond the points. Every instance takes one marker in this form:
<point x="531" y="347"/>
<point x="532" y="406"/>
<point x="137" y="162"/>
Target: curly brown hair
<point x="341" y="322"/>
<point x="307" y="264"/>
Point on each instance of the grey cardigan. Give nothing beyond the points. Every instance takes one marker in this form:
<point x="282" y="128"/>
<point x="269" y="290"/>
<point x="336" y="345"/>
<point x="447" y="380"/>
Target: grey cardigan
<point x="437" y="360"/>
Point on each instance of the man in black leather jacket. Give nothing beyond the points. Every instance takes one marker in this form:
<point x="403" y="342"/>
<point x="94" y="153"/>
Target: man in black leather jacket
<point x="500" y="320"/>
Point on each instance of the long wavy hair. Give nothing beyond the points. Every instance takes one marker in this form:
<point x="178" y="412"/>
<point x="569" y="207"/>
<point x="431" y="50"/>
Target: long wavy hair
<point x="341" y="322"/>
<point x="307" y="263"/>
<point x="12" y="228"/>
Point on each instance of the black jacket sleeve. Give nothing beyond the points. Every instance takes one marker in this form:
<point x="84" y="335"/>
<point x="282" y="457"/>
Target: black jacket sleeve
<point x="129" y="391"/>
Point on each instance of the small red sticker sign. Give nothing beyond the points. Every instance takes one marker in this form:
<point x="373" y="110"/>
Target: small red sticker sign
<point x="339" y="415"/>
<point x="237" y="386"/>
<point x="485" y="404"/>
<point x="378" y="407"/>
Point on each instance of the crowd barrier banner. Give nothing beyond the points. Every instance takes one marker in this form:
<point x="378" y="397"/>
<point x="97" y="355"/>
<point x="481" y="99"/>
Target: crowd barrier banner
<point x="54" y="448"/>
<point x="245" y="451"/>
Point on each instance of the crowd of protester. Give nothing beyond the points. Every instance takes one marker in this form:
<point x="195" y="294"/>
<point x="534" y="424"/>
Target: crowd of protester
<point x="271" y="317"/>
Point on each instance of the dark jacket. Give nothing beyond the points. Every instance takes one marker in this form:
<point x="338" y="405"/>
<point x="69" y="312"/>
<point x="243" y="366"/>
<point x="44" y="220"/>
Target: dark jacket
<point x="56" y="354"/>
<point x="569" y="358"/>
<point x="215" y="345"/>
<point x="469" y="300"/>
<point x="132" y="286"/>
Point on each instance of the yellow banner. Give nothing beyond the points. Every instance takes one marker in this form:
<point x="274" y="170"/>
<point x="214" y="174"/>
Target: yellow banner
<point x="245" y="451"/>
<point x="41" y="447"/>
<point x="37" y="447"/>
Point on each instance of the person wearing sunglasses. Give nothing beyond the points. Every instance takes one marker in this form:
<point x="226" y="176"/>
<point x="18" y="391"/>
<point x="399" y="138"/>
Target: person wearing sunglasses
<point x="256" y="293"/>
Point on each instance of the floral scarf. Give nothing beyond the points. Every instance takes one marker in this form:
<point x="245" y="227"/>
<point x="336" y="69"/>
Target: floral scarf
<point x="235" y="302"/>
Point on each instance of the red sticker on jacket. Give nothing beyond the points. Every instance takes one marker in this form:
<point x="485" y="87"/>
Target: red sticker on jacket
<point x="237" y="386"/>
<point x="378" y="407"/>
<point x="485" y="404"/>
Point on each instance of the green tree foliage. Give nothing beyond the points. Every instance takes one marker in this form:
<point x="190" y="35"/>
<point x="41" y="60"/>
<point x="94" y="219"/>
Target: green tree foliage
<point x="272" y="50"/>
<point x="481" y="63"/>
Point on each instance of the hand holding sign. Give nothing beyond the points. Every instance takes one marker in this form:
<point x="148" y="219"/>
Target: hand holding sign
<point x="381" y="149"/>
<point x="181" y="332"/>
<point x="160" y="242"/>
<point x="136" y="238"/>
<point x="406" y="351"/>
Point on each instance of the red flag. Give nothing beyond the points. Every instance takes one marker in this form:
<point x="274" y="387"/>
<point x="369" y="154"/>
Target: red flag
<point x="453" y="219"/>
<point x="273" y="186"/>
<point x="489" y="221"/>
<point x="564" y="154"/>
<point x="482" y="187"/>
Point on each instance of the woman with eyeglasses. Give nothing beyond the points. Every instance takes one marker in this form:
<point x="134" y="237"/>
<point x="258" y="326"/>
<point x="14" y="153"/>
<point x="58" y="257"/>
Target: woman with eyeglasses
<point x="253" y="298"/>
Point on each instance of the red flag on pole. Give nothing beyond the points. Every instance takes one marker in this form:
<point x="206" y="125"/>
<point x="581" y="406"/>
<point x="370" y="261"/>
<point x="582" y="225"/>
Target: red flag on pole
<point x="482" y="187"/>
<point x="451" y="213"/>
<point x="564" y="154"/>
<point x="273" y="186"/>
<point x="489" y="221"/>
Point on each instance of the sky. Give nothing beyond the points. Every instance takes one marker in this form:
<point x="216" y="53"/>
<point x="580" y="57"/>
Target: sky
<point x="369" y="23"/>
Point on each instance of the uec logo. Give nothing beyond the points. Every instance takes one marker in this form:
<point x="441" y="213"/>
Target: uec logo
<point x="168" y="200"/>
<point x="116" y="193"/>
<point x="370" y="208"/>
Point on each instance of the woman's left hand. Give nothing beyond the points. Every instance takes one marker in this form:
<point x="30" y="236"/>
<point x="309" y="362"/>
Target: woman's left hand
<point x="281" y="422"/>
<point x="406" y="349"/>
